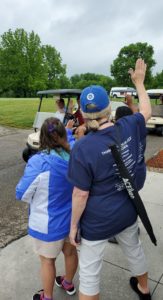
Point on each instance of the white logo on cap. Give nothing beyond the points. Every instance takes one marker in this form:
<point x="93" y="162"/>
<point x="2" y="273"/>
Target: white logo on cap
<point x="90" y="96"/>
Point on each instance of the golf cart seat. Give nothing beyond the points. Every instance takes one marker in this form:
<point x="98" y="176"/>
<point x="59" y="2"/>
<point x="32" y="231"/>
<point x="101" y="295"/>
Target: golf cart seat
<point x="157" y="111"/>
<point x="41" y="117"/>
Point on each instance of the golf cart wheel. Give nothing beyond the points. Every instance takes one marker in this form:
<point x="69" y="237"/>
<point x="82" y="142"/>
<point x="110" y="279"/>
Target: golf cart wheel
<point x="160" y="131"/>
<point x="26" y="154"/>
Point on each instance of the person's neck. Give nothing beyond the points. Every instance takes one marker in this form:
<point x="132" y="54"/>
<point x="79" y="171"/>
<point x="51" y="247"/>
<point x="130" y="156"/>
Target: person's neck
<point x="61" y="110"/>
<point x="104" y="123"/>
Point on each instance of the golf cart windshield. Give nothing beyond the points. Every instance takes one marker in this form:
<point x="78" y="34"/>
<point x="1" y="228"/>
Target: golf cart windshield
<point x="63" y="93"/>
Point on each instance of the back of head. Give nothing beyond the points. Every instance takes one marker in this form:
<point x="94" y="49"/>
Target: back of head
<point x="122" y="111"/>
<point x="60" y="103"/>
<point x="61" y="100"/>
<point x="94" y="103"/>
<point x="53" y="135"/>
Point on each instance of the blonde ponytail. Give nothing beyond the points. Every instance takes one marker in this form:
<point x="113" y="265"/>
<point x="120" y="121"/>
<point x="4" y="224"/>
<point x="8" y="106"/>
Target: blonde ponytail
<point x="92" y="118"/>
<point x="93" y="125"/>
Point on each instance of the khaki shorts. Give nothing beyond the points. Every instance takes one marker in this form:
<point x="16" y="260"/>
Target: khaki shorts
<point x="92" y="253"/>
<point x="49" y="249"/>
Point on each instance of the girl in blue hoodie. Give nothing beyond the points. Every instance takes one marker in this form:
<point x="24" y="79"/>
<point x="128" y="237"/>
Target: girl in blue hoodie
<point x="45" y="187"/>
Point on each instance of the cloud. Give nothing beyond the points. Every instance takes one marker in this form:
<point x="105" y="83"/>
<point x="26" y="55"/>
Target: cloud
<point x="88" y="34"/>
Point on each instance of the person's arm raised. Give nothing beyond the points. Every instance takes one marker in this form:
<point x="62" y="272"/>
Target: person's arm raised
<point x="138" y="76"/>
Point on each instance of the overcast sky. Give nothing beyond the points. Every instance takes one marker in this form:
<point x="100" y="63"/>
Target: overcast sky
<point x="88" y="33"/>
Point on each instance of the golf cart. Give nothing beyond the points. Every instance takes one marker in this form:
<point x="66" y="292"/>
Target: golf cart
<point x="155" y="94"/>
<point x="155" y="123"/>
<point x="32" y="145"/>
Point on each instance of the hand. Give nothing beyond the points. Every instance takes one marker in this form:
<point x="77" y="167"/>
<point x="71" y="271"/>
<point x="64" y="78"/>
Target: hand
<point x="138" y="75"/>
<point x="129" y="102"/>
<point x="128" y="99"/>
<point x="70" y="124"/>
<point x="71" y="106"/>
<point x="79" y="132"/>
<point x="72" y="235"/>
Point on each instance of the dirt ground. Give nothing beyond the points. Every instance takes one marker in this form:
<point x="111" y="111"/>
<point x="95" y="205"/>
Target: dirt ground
<point x="156" y="162"/>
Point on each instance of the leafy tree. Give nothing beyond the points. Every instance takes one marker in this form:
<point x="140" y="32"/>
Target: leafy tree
<point x="64" y="82"/>
<point x="21" y="61"/>
<point x="83" y="80"/>
<point x="56" y="71"/>
<point x="26" y="66"/>
<point x="126" y="59"/>
<point x="158" y="80"/>
<point x="74" y="80"/>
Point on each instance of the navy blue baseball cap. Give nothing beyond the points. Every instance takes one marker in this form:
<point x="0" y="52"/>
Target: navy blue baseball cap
<point x="94" y="99"/>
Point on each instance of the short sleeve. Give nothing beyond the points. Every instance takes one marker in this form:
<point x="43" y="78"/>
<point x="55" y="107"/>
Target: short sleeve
<point x="79" y="171"/>
<point x="134" y="122"/>
<point x="141" y="124"/>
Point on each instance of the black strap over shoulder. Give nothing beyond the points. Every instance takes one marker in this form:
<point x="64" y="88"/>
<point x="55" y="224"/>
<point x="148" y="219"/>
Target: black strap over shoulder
<point x="130" y="186"/>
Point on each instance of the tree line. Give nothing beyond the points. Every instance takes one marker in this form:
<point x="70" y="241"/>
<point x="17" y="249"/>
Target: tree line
<point x="27" y="66"/>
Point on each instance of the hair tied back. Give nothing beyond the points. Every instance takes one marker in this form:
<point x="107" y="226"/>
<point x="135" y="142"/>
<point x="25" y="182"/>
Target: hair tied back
<point x="51" y="127"/>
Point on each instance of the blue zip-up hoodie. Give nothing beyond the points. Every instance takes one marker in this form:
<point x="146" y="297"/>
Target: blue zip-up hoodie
<point x="45" y="187"/>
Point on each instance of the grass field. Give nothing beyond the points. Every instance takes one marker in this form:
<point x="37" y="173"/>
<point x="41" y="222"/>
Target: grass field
<point x="20" y="112"/>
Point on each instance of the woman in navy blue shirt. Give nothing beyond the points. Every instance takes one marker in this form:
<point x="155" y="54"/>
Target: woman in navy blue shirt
<point x="100" y="201"/>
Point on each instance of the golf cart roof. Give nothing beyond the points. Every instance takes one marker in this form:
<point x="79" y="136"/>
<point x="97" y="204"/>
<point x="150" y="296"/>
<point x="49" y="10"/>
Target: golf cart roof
<point x="65" y="93"/>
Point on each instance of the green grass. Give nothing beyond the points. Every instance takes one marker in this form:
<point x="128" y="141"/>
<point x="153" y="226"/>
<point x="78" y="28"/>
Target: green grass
<point x="135" y="100"/>
<point x="20" y="113"/>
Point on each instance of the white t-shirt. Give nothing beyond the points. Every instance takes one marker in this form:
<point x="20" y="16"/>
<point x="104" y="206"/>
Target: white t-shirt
<point x="59" y="115"/>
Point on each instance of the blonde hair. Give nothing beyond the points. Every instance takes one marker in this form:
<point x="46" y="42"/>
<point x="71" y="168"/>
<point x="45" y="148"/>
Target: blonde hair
<point x="93" y="118"/>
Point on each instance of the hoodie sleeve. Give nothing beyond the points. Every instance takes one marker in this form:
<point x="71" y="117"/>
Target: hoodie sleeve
<point x="28" y="184"/>
<point x="70" y="138"/>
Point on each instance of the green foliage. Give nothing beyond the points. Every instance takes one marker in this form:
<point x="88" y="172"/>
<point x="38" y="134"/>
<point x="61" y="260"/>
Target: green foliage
<point x="157" y="82"/>
<point x="126" y="59"/>
<point x="87" y="79"/>
<point x="55" y="70"/>
<point x="27" y="66"/>
<point x="64" y="82"/>
<point x="21" y="63"/>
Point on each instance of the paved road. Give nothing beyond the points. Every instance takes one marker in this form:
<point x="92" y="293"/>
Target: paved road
<point x="13" y="215"/>
<point x="154" y="144"/>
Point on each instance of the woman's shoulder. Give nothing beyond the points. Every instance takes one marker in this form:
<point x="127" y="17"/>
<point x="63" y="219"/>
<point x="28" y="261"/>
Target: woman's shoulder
<point x="39" y="160"/>
<point x="132" y="119"/>
<point x="83" y="140"/>
<point x="85" y="145"/>
<point x="132" y="124"/>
